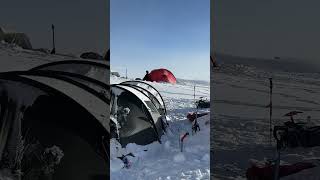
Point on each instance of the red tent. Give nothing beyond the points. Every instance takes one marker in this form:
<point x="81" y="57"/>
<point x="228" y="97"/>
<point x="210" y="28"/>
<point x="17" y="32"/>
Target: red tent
<point x="162" y="75"/>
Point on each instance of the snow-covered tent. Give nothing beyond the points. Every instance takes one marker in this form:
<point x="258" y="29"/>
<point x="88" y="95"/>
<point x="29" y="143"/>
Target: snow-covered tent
<point x="136" y="117"/>
<point x="41" y="109"/>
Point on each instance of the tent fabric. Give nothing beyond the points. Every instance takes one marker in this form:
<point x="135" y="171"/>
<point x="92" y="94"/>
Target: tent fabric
<point x="98" y="70"/>
<point x="153" y="99"/>
<point x="150" y="89"/>
<point x="143" y="124"/>
<point x="99" y="87"/>
<point x="64" y="103"/>
<point x="93" y="104"/>
<point x="57" y="119"/>
<point x="162" y="75"/>
<point x="26" y="88"/>
<point x="82" y="94"/>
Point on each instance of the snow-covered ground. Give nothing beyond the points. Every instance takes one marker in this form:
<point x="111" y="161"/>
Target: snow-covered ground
<point x="14" y="58"/>
<point x="240" y="121"/>
<point x="165" y="161"/>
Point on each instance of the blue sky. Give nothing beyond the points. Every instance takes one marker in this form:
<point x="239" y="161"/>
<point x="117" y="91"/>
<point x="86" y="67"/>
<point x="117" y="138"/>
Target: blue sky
<point x="150" y="34"/>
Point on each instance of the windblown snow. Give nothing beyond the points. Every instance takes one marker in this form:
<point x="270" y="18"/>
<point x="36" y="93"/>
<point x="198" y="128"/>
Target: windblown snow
<point x="241" y="120"/>
<point x="165" y="161"/>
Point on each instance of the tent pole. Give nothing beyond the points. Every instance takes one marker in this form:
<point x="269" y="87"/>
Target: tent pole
<point x="194" y="93"/>
<point x="270" y="107"/>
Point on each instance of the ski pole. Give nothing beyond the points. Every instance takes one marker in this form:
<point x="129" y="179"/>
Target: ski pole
<point x="277" y="163"/>
<point x="270" y="107"/>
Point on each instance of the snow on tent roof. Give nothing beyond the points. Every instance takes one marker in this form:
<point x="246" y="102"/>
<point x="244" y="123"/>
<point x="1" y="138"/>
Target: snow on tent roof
<point x="98" y="70"/>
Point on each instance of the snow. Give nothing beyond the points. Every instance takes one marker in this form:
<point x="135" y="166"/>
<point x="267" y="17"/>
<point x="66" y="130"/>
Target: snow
<point x="165" y="161"/>
<point x="241" y="120"/>
<point x="179" y="157"/>
<point x="14" y="58"/>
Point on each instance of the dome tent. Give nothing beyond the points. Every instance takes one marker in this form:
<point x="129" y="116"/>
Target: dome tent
<point x="162" y="75"/>
<point x="152" y="93"/>
<point x="143" y="124"/>
<point x="58" y="112"/>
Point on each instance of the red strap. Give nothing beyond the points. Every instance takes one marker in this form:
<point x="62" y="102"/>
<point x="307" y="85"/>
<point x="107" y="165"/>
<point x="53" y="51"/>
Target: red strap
<point x="184" y="136"/>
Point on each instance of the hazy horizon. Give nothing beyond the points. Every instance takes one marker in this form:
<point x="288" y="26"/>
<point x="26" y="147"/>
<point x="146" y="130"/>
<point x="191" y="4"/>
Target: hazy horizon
<point x="265" y="29"/>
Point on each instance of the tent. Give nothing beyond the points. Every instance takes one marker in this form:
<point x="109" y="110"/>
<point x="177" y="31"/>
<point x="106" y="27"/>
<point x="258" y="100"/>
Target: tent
<point x="145" y="122"/>
<point x="162" y="75"/>
<point x="98" y="70"/>
<point x="56" y="108"/>
<point x="152" y="92"/>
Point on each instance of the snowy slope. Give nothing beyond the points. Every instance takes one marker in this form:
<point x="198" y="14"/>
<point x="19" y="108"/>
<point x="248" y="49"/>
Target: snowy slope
<point x="165" y="161"/>
<point x="241" y="119"/>
<point x="14" y="58"/>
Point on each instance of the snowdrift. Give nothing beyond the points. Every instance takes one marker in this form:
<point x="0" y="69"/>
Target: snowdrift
<point x="165" y="160"/>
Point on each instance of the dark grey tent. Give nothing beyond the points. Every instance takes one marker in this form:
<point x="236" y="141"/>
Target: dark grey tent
<point x="154" y="94"/>
<point x="144" y="123"/>
<point x="47" y="109"/>
<point x="152" y="98"/>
